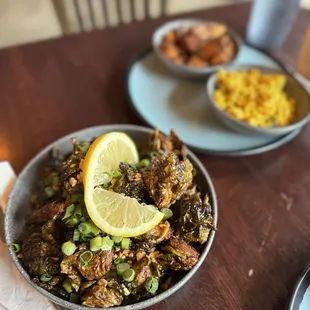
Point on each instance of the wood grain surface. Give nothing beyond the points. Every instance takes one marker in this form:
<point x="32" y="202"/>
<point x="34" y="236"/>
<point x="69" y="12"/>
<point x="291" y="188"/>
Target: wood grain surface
<point x="52" y="88"/>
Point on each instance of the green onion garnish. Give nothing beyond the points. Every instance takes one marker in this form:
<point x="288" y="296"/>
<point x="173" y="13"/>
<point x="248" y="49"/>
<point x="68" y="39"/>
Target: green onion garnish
<point x="68" y="248"/>
<point x="15" y="247"/>
<point x="84" y="228"/>
<point x="49" y="191"/>
<point x="86" y="257"/>
<point x="74" y="297"/>
<point x="73" y="221"/>
<point x="86" y="285"/>
<point x="86" y="237"/>
<point x="144" y="163"/>
<point x="129" y="275"/>
<point x="67" y="286"/>
<point x="153" y="154"/>
<point x="69" y="211"/>
<point x="45" y="277"/>
<point x="115" y="173"/>
<point x="94" y="229"/>
<point x="96" y="244"/>
<point x="121" y="268"/>
<point x="76" y="235"/>
<point x="78" y="198"/>
<point x="107" y="243"/>
<point x="151" y="285"/>
<point x="85" y="215"/>
<point x="167" y="213"/>
<point x="125" y="244"/>
<point x="55" y="181"/>
<point x="117" y="240"/>
<point x="106" y="185"/>
<point x="119" y="261"/>
<point x="78" y="211"/>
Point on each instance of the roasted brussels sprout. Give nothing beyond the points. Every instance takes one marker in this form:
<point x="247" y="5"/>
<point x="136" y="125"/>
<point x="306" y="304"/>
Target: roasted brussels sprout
<point x="167" y="178"/>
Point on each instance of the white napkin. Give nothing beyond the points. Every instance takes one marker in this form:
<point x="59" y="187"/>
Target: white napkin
<point x="15" y="292"/>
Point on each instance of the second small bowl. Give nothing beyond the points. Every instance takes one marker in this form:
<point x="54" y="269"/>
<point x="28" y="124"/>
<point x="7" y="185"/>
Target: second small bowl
<point x="293" y="88"/>
<point x="185" y="70"/>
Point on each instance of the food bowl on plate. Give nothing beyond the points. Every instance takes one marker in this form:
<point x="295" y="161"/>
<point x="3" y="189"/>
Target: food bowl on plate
<point x="269" y="116"/>
<point x="18" y="209"/>
<point x="194" y="48"/>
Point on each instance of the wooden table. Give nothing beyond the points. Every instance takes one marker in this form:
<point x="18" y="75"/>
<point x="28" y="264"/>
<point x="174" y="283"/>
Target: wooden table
<point x="52" y="88"/>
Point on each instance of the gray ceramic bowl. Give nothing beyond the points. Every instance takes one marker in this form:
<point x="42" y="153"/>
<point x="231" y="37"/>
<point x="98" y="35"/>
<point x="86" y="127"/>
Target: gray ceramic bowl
<point x="17" y="207"/>
<point x="293" y="88"/>
<point x="184" y="70"/>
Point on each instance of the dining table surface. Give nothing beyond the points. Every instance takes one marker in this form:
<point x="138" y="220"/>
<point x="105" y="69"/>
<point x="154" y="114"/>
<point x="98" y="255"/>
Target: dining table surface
<point x="49" y="89"/>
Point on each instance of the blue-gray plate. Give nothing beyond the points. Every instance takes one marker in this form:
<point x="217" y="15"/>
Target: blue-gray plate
<point x="164" y="100"/>
<point x="300" y="299"/>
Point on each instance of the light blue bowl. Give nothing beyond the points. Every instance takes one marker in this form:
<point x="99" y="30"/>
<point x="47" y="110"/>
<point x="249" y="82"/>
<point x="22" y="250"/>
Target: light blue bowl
<point x="293" y="88"/>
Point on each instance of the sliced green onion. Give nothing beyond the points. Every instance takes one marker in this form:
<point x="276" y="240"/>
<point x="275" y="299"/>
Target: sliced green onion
<point x="68" y="248"/>
<point x="78" y="211"/>
<point x="94" y="229"/>
<point x="55" y="181"/>
<point x="86" y="238"/>
<point x="121" y="268"/>
<point x="151" y="285"/>
<point x="78" y="198"/>
<point x="86" y="257"/>
<point x="86" y="285"/>
<point x="144" y="163"/>
<point x="73" y="221"/>
<point x="84" y="228"/>
<point x="119" y="261"/>
<point x="153" y="154"/>
<point x="133" y="166"/>
<point x="106" y="185"/>
<point x="15" y="247"/>
<point x="74" y="297"/>
<point x="110" y="274"/>
<point x="67" y="286"/>
<point x="96" y="244"/>
<point x="129" y="275"/>
<point x="85" y="215"/>
<point x="76" y="235"/>
<point x="114" y="173"/>
<point x="45" y="277"/>
<point x="117" y="240"/>
<point x="167" y="213"/>
<point x="69" y="211"/>
<point x="125" y="244"/>
<point x="107" y="243"/>
<point x="49" y="191"/>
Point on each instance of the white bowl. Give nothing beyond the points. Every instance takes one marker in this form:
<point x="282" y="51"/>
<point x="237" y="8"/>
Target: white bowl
<point x="184" y="70"/>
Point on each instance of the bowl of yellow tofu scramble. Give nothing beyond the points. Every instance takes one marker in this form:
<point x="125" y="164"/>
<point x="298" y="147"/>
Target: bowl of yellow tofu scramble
<point x="259" y="100"/>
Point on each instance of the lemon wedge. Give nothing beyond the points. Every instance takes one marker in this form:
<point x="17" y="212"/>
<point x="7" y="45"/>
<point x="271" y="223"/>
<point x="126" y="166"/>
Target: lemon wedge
<point x="105" y="154"/>
<point x="114" y="213"/>
<point x="119" y="215"/>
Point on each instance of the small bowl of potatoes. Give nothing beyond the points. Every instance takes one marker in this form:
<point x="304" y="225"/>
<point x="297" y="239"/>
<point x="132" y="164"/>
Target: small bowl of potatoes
<point x="258" y="100"/>
<point x="194" y="48"/>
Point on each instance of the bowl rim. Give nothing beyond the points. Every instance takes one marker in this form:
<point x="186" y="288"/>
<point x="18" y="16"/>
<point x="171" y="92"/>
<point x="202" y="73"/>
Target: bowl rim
<point x="270" y="130"/>
<point x="139" y="305"/>
<point x="198" y="70"/>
